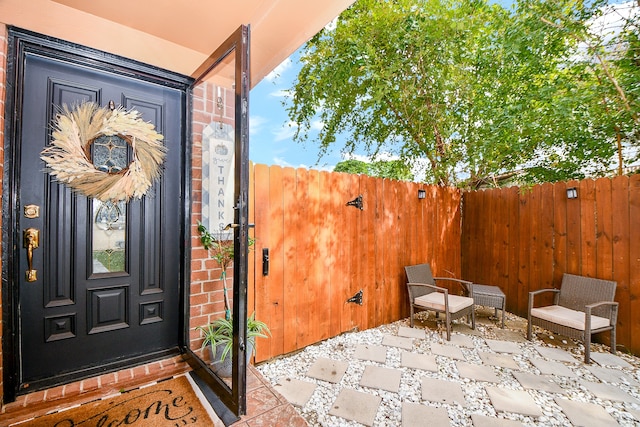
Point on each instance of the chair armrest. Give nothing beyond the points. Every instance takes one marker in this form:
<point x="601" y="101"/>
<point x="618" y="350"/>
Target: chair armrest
<point x="532" y="295"/>
<point x="466" y="285"/>
<point x="434" y="287"/>
<point x="614" y="310"/>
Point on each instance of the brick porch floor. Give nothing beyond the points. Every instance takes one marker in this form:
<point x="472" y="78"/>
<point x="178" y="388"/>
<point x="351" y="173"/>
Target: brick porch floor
<point x="265" y="406"/>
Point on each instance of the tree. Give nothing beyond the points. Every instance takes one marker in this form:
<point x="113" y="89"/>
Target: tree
<point x="471" y="88"/>
<point x="392" y="169"/>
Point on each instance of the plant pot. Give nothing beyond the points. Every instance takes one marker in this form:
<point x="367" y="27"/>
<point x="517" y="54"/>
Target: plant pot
<point x="224" y="368"/>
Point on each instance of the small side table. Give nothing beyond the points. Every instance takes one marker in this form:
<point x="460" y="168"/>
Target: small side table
<point x="490" y="296"/>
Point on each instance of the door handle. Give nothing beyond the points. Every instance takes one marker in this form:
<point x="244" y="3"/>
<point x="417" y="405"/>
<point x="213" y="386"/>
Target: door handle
<point x="31" y="241"/>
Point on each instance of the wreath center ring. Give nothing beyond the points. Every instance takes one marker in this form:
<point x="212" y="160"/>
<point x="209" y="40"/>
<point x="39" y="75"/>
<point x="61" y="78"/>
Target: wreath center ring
<point x="68" y="158"/>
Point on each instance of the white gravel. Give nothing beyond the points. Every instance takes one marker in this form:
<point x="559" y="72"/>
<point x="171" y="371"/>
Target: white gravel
<point x="477" y="400"/>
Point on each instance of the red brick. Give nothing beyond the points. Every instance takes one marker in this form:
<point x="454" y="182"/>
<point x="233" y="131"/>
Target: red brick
<point x="199" y="275"/>
<point x="55" y="393"/>
<point x="212" y="286"/>
<point x="90" y="384"/>
<point x="35" y="397"/>
<point x="139" y="371"/>
<point x="154" y="368"/>
<point x="196" y="288"/>
<point x="72" y="389"/>
<point x="108" y="379"/>
<point x="195" y="311"/>
<point x="199" y="299"/>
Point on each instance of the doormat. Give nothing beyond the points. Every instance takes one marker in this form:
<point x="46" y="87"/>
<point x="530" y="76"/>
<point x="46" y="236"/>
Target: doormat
<point x="168" y="403"/>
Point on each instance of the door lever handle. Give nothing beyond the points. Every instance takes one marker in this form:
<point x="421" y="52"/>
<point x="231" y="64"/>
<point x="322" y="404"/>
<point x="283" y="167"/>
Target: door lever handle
<point x="31" y="241"/>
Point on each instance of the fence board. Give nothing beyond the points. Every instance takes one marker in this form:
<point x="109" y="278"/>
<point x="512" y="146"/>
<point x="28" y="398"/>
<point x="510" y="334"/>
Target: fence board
<point x="334" y="213"/>
<point x="559" y="232"/>
<point x="587" y="197"/>
<point x="511" y="288"/>
<point x="261" y="186"/>
<point x="545" y="234"/>
<point x="634" y="262"/>
<point x="574" y="257"/>
<point x="524" y="226"/>
<point x="287" y="260"/>
<point x="620" y="249"/>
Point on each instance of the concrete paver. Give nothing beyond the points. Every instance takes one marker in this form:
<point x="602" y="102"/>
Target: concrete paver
<point x="376" y="353"/>
<point x="484" y="421"/>
<point x="356" y="406"/>
<point x="328" y="370"/>
<point x="477" y="372"/>
<point x="415" y="415"/>
<point x="447" y="351"/>
<point x="502" y="360"/>
<point x="403" y="331"/>
<point x="461" y="340"/>
<point x="504" y="346"/>
<point x="297" y="392"/>
<point x="518" y="401"/>
<point x="556" y="354"/>
<point x="608" y="359"/>
<point x="426" y="362"/>
<point x="585" y="414"/>
<point x="609" y="392"/>
<point x="612" y="375"/>
<point x="537" y="382"/>
<point x="551" y="367"/>
<point x="382" y="378"/>
<point x="395" y="341"/>
<point x="508" y="335"/>
<point x="442" y="391"/>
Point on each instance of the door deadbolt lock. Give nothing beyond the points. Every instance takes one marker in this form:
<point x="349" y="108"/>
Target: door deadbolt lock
<point x="31" y="241"/>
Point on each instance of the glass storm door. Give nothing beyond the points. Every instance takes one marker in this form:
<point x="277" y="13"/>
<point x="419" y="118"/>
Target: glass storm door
<point x="220" y="96"/>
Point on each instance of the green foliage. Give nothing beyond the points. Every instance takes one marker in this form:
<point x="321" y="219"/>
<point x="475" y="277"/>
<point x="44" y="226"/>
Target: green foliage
<point x="220" y="332"/>
<point x="391" y="169"/>
<point x="474" y="90"/>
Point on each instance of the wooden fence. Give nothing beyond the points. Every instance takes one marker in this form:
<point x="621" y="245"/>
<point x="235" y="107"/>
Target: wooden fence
<point x="523" y="240"/>
<point x="322" y="252"/>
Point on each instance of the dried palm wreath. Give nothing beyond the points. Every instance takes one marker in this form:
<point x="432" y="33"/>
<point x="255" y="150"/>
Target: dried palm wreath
<point x="68" y="156"/>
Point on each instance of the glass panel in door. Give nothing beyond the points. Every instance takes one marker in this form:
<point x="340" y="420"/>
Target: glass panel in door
<point x="220" y="142"/>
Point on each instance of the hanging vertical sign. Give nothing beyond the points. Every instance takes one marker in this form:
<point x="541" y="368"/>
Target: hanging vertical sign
<point x="218" y="178"/>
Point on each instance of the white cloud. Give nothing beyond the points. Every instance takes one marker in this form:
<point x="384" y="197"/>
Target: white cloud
<point x="317" y="125"/>
<point x="285" y="132"/>
<point x="256" y="123"/>
<point x="368" y="159"/>
<point x="279" y="70"/>
<point x="282" y="93"/>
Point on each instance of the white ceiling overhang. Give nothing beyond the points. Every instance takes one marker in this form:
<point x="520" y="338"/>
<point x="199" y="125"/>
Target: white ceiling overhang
<point x="177" y="35"/>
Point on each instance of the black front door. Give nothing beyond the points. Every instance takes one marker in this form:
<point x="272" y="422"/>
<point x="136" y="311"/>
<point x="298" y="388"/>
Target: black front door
<point x="106" y="287"/>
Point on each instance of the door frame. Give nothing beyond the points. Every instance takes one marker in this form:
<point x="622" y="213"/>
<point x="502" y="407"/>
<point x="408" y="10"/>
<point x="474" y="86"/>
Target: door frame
<point x="20" y="43"/>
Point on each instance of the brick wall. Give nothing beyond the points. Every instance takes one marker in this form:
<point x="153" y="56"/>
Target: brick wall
<point x="207" y="302"/>
<point x="3" y="66"/>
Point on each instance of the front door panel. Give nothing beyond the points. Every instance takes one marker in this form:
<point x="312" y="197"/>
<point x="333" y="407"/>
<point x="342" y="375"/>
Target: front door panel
<point x="106" y="286"/>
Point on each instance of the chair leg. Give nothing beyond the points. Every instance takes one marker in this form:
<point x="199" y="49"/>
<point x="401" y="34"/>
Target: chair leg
<point x="529" y="329"/>
<point x="613" y="347"/>
<point x="411" y="316"/>
<point x="448" y="322"/>
<point x="587" y="348"/>
<point x="473" y="318"/>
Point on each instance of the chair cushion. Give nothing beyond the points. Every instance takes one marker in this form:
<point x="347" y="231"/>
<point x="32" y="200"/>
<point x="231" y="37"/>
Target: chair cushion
<point x="435" y="301"/>
<point x="567" y="317"/>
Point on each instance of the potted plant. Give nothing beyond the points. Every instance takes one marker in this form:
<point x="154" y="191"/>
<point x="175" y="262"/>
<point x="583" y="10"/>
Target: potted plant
<point x="218" y="338"/>
<point x="218" y="335"/>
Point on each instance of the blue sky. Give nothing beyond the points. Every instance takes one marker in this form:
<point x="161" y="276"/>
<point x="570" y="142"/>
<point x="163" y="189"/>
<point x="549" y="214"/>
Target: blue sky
<point x="271" y="135"/>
